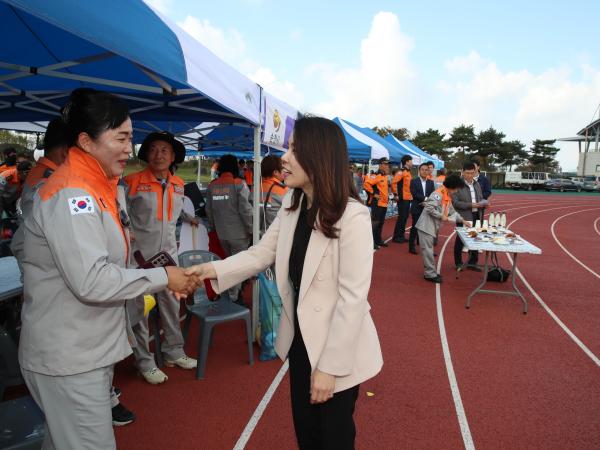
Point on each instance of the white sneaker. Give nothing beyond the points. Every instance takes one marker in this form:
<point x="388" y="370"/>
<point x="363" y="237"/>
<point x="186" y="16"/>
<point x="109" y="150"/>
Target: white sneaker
<point x="465" y="250"/>
<point x="185" y="362"/>
<point x="155" y="376"/>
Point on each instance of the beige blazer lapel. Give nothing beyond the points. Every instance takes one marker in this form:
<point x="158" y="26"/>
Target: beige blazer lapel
<point x="314" y="253"/>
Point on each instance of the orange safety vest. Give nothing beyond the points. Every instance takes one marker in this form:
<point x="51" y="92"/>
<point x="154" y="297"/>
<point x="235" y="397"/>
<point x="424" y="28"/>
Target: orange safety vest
<point x="43" y="168"/>
<point x="381" y="183"/>
<point x="404" y="176"/>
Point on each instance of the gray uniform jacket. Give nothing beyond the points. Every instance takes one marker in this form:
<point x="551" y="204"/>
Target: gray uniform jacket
<point x="75" y="280"/>
<point x="431" y="217"/>
<point x="228" y="207"/>
<point x="36" y="178"/>
<point x="154" y="212"/>
<point x="461" y="200"/>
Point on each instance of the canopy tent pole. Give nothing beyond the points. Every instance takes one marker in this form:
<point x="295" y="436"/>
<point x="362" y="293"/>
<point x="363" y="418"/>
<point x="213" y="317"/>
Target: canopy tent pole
<point x="257" y="182"/>
<point x="199" y="166"/>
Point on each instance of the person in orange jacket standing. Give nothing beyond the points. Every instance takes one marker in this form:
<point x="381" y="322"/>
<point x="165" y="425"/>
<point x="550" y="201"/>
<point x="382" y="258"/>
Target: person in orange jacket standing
<point x="154" y="204"/>
<point x="377" y="188"/>
<point x="401" y="187"/>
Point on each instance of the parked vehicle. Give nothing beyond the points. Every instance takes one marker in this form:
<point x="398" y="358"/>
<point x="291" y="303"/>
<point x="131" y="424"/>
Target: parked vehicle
<point x="526" y="180"/>
<point x="578" y="181"/>
<point x="562" y="185"/>
<point x="590" y="186"/>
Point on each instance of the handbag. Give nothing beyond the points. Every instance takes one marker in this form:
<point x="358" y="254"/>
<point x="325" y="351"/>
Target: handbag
<point x="496" y="273"/>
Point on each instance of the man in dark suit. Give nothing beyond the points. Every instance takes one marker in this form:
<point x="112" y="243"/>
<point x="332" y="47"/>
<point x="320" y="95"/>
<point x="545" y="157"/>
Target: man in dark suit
<point x="467" y="202"/>
<point x="420" y="188"/>
<point x="484" y="183"/>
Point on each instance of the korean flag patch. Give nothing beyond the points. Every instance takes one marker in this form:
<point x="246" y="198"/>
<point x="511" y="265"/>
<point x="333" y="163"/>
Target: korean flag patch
<point x="81" y="205"/>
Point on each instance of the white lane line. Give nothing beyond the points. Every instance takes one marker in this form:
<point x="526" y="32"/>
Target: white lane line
<point x="260" y="409"/>
<point x="551" y="313"/>
<point x="596" y="226"/>
<point x="458" y="405"/>
<point x="465" y="431"/>
<point x="564" y="248"/>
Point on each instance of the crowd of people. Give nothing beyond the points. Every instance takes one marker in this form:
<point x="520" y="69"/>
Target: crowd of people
<point x="428" y="200"/>
<point x="82" y="222"/>
<point x="88" y="235"/>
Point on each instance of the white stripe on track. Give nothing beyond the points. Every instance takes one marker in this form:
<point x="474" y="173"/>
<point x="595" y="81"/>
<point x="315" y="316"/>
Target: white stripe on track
<point x="458" y="405"/>
<point x="596" y="226"/>
<point x="465" y="431"/>
<point x="563" y="247"/>
<point x="551" y="313"/>
<point x="260" y="409"/>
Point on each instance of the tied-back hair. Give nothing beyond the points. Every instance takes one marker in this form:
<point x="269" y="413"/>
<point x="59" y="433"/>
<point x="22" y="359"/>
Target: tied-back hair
<point x="320" y="148"/>
<point x="92" y="112"/>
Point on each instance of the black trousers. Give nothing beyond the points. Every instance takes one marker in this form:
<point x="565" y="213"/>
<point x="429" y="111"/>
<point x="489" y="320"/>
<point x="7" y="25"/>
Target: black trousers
<point x="413" y="237"/>
<point x="325" y="426"/>
<point x="400" y="228"/>
<point x="458" y="246"/>
<point x="377" y="220"/>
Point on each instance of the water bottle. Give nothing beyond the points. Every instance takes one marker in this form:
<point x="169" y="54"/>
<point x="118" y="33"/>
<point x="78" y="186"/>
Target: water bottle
<point x="503" y="220"/>
<point x="492" y="220"/>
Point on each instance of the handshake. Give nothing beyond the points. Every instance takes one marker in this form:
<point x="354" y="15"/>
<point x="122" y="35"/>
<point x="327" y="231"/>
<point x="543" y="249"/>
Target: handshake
<point x="183" y="282"/>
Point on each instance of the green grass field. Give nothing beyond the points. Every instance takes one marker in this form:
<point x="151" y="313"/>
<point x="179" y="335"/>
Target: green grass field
<point x="187" y="171"/>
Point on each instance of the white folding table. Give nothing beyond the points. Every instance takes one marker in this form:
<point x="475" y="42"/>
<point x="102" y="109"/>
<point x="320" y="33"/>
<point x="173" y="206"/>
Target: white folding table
<point x="488" y="247"/>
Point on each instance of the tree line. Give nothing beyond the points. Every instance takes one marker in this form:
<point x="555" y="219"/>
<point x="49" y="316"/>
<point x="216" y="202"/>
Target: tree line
<point x="489" y="146"/>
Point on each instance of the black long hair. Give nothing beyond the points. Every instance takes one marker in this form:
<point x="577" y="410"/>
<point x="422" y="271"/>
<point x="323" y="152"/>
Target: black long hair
<point x="320" y="148"/>
<point x="92" y="112"/>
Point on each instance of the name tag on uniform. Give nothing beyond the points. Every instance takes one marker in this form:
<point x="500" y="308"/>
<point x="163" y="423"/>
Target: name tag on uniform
<point x="220" y="197"/>
<point x="144" y="188"/>
<point x="81" y="205"/>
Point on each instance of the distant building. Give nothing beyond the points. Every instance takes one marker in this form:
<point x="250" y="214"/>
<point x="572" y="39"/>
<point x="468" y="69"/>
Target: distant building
<point x="589" y="148"/>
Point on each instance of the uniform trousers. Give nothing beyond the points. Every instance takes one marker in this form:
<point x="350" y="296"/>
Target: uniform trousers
<point x="324" y="426"/>
<point x="77" y="409"/>
<point x="400" y="228"/>
<point x="232" y="247"/>
<point x="426" y="241"/>
<point x="458" y="244"/>
<point x="377" y="220"/>
<point x="413" y="237"/>
<point x="172" y="345"/>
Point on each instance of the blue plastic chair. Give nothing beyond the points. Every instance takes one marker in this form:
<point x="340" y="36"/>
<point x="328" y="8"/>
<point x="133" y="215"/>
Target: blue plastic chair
<point x="211" y="313"/>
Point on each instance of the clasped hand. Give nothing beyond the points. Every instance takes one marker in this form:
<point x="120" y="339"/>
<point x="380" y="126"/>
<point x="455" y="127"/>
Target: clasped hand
<point x="202" y="271"/>
<point x="322" y="386"/>
<point x="181" y="283"/>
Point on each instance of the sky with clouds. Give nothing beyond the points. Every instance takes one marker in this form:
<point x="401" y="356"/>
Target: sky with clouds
<point x="528" y="68"/>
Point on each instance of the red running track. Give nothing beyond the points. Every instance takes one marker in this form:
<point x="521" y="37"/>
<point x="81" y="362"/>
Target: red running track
<point x="523" y="382"/>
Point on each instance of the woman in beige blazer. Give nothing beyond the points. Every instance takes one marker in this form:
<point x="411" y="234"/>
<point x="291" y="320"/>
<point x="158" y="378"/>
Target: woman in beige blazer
<point x="322" y="247"/>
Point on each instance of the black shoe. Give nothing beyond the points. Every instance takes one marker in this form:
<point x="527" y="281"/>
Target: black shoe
<point x="459" y="266"/>
<point x="117" y="391"/>
<point x="375" y="247"/>
<point x="413" y="251"/>
<point x="382" y="244"/>
<point x="399" y="240"/>
<point x="474" y="267"/>
<point x="436" y="279"/>
<point x="121" y="416"/>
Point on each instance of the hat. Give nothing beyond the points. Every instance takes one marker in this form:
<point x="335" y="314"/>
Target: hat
<point x="383" y="160"/>
<point x="164" y="136"/>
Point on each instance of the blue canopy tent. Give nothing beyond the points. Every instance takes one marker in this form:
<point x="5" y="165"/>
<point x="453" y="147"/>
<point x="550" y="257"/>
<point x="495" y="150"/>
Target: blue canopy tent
<point x="357" y="151"/>
<point x="50" y="48"/>
<point x="396" y="153"/>
<point x="416" y="152"/>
